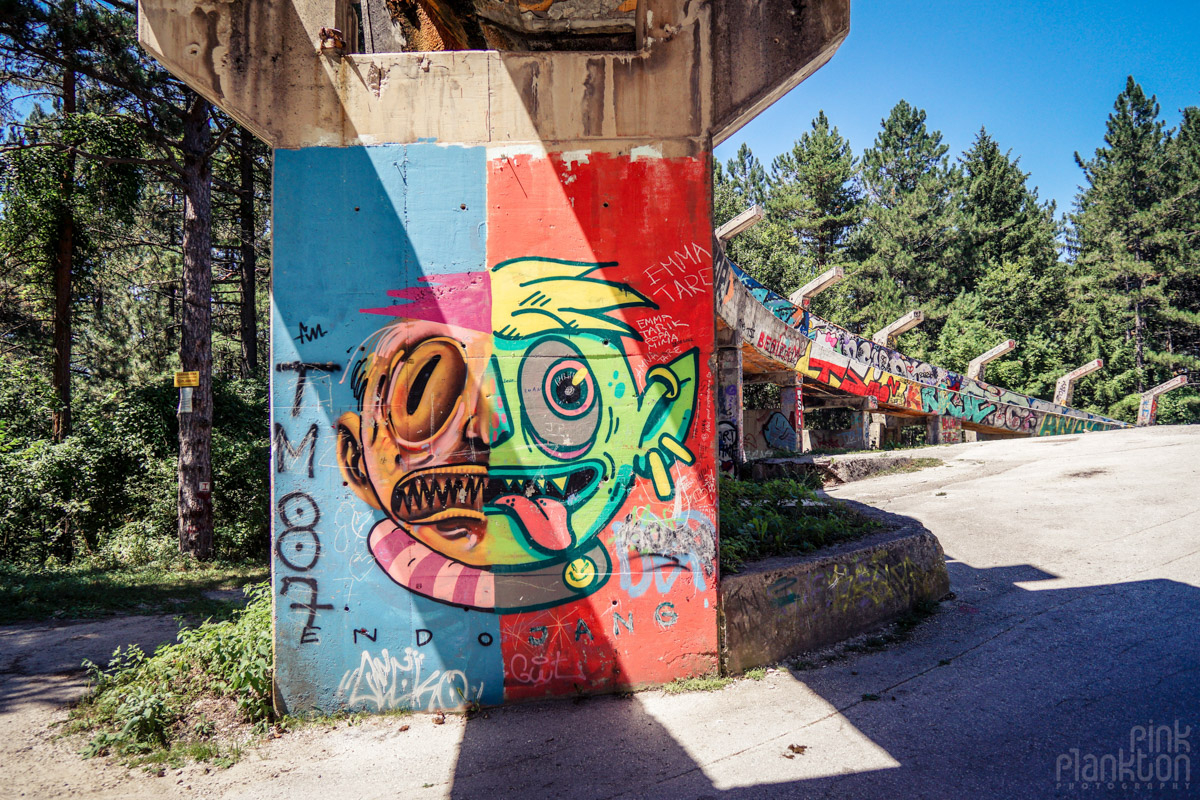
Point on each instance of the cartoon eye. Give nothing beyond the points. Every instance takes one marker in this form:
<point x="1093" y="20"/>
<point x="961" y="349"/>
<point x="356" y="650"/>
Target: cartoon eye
<point x="568" y="388"/>
<point x="559" y="402"/>
<point x="427" y="385"/>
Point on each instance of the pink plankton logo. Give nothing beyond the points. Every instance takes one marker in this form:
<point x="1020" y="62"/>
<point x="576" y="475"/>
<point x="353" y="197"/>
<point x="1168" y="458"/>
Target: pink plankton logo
<point x="1159" y="759"/>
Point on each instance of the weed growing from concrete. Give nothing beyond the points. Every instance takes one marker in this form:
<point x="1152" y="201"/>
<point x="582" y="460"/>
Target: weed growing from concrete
<point x="707" y="683"/>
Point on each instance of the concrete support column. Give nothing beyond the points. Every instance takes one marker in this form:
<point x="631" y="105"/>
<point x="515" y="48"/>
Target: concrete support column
<point x="731" y="445"/>
<point x="976" y="367"/>
<point x="1064" y="388"/>
<point x="492" y="332"/>
<point x="860" y="431"/>
<point x="1148" y="409"/>
<point x="884" y="336"/>
<point x="943" y="429"/>
<point x="792" y="405"/>
<point x="877" y="431"/>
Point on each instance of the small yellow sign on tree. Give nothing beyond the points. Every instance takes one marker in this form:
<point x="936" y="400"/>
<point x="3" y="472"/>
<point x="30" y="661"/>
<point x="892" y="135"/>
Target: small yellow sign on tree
<point x="183" y="379"/>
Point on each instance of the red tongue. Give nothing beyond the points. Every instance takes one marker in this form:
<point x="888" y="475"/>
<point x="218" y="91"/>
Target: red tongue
<point x="544" y="519"/>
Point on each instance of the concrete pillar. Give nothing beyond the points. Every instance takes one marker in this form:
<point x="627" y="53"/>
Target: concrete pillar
<point x="976" y="367"/>
<point x="943" y="429"/>
<point x="792" y="403"/>
<point x="492" y="332"/>
<point x="730" y="424"/>
<point x="1064" y="388"/>
<point x="1148" y="408"/>
<point x="817" y="285"/>
<point x="863" y="433"/>
<point x="907" y="322"/>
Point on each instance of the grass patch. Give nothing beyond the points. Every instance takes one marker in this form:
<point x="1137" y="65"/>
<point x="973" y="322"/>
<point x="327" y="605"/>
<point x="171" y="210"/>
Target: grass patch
<point x="707" y="683"/>
<point x="756" y="674"/>
<point x="94" y="590"/>
<point x="781" y="517"/>
<point x="190" y="701"/>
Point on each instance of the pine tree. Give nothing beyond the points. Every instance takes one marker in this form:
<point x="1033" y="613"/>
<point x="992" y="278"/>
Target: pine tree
<point x="1010" y="273"/>
<point x="815" y="198"/>
<point x="747" y="176"/>
<point x="908" y="244"/>
<point x="1128" y="242"/>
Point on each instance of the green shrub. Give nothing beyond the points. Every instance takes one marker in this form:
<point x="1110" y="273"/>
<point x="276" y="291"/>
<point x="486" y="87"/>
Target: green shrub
<point x="109" y="490"/>
<point x="781" y="517"/>
<point x="139" y="704"/>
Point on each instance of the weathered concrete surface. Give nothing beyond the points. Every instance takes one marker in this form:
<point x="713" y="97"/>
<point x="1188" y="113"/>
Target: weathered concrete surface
<point x="704" y="68"/>
<point x="780" y="607"/>
<point x="838" y="469"/>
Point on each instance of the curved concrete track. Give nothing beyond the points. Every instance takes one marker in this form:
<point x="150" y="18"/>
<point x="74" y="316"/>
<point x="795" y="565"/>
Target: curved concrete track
<point x="1076" y="566"/>
<point x="776" y="337"/>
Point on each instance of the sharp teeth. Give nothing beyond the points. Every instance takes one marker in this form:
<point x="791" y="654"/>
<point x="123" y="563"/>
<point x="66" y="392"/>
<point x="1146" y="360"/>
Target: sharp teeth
<point x="561" y="483"/>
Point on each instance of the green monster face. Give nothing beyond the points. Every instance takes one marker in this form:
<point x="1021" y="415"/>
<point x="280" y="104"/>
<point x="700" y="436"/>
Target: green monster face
<point x="570" y="434"/>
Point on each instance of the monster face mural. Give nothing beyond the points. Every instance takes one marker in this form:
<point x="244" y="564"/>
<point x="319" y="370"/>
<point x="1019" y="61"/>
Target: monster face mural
<point x="494" y="454"/>
<point x="493" y="422"/>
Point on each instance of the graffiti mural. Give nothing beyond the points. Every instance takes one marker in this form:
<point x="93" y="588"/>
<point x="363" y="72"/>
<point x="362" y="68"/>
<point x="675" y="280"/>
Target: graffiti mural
<point x="494" y="471"/>
<point x="768" y="432"/>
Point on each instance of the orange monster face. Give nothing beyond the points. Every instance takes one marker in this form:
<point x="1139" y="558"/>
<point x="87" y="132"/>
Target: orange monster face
<point x="419" y="450"/>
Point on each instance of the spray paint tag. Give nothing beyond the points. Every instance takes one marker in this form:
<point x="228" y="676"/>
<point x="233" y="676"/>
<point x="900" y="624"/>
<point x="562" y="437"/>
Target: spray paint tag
<point x="185" y="400"/>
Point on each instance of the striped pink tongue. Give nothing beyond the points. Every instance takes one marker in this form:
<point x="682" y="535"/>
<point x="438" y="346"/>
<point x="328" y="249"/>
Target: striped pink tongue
<point x="543" y="518"/>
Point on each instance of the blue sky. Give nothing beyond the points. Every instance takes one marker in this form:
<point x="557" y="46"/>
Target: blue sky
<point x="1041" y="76"/>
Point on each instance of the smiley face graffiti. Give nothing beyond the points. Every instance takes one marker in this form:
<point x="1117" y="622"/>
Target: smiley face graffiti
<point x="498" y="452"/>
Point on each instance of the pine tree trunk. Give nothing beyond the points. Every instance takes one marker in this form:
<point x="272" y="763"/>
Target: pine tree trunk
<point x="249" y="326"/>
<point x="64" y="263"/>
<point x="195" y="350"/>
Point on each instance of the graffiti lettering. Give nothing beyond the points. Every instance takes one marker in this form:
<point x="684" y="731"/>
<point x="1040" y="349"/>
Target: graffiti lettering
<point x="286" y="455"/>
<point x="386" y="682"/>
<point x="302" y="369"/>
<point x="665" y="615"/>
<point x="308" y="334"/>
<point x="622" y="622"/>
<point x="305" y="546"/>
<point x="308" y="635"/>
<point x="539" y="670"/>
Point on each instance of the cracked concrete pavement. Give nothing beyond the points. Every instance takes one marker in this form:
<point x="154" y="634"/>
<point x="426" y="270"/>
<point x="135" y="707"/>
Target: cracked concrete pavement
<point x="1075" y="563"/>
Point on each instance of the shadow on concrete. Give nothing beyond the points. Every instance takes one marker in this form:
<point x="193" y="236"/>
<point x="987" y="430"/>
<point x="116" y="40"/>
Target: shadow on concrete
<point x="1003" y="691"/>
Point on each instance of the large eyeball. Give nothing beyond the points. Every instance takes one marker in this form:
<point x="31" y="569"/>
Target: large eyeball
<point x="427" y="384"/>
<point x="559" y="398"/>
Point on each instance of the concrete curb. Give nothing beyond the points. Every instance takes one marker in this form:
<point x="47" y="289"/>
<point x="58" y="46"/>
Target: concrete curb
<point x="783" y="606"/>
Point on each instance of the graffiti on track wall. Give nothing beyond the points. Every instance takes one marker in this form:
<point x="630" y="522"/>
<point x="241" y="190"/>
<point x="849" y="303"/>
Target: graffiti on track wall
<point x="494" y="472"/>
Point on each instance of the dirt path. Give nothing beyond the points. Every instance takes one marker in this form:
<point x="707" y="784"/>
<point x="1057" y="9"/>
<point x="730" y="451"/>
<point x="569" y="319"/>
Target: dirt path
<point x="39" y="675"/>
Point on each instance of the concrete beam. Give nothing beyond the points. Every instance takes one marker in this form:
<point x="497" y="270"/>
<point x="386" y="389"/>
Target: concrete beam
<point x="852" y="403"/>
<point x="698" y="69"/>
<point x="1064" y="388"/>
<point x="817" y="285"/>
<point x="909" y="321"/>
<point x="743" y="221"/>
<point x="762" y="50"/>
<point x="777" y="378"/>
<point x="1148" y="409"/>
<point x="975" y="368"/>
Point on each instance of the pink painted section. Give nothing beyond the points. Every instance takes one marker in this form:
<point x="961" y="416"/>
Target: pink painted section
<point x="463" y="299"/>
